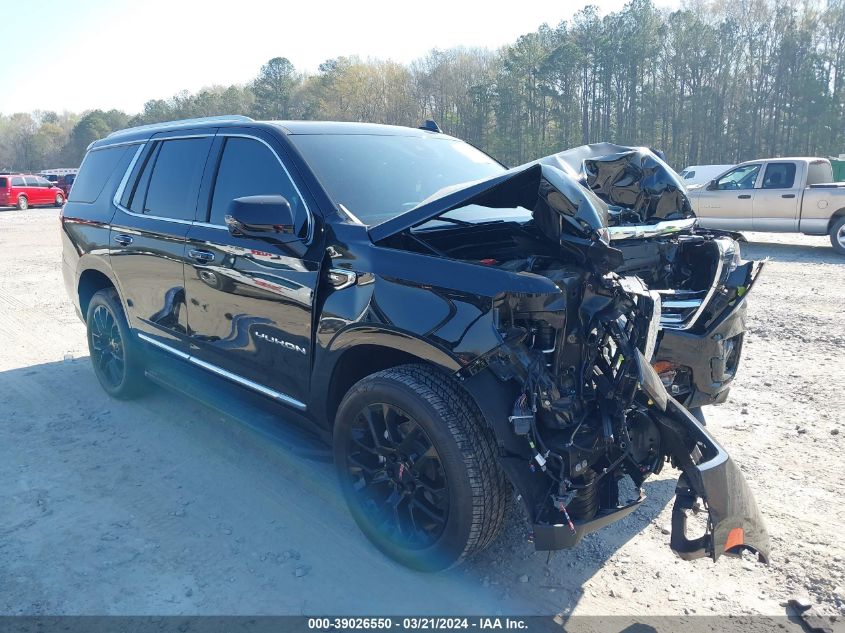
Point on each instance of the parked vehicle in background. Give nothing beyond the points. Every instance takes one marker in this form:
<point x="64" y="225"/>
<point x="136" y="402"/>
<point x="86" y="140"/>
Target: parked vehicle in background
<point x="62" y="178"/>
<point x="65" y="183"/>
<point x="27" y="190"/>
<point x="698" y="175"/>
<point x="457" y="329"/>
<point x="782" y="195"/>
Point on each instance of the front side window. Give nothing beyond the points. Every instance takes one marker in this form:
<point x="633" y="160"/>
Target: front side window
<point x="175" y="178"/>
<point x="689" y="175"/>
<point x="740" y="178"/>
<point x="779" y="176"/>
<point x="250" y="168"/>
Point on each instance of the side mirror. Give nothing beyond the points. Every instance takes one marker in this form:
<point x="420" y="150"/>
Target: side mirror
<point x="264" y="217"/>
<point x="711" y="186"/>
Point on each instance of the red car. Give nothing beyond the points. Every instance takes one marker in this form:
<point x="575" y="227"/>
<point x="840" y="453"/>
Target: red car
<point x="24" y="191"/>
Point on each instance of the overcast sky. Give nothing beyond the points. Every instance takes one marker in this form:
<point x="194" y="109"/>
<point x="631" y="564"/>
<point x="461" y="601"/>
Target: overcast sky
<point x="119" y="53"/>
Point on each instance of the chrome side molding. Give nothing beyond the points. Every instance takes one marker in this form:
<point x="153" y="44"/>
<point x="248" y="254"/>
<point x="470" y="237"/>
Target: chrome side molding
<point x="245" y="382"/>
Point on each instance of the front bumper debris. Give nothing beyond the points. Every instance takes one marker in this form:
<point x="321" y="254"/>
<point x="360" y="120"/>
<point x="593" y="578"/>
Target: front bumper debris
<point x="560" y="536"/>
<point x="709" y="473"/>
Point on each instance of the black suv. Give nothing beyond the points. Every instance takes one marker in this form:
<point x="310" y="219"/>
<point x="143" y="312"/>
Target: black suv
<point x="456" y="329"/>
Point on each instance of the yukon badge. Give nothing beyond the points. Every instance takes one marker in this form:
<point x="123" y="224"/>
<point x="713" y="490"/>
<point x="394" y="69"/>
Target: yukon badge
<point x="272" y="339"/>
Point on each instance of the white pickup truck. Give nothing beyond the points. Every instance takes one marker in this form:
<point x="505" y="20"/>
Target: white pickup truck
<point x="787" y="195"/>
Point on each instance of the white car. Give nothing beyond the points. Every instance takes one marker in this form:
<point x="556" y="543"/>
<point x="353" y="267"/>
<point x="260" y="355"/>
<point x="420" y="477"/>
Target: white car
<point x="698" y="175"/>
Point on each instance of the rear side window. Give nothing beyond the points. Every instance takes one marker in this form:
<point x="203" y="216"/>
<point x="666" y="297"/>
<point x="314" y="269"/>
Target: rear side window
<point x="96" y="169"/>
<point x="250" y="168"/>
<point x="17" y="181"/>
<point x="32" y="181"/>
<point x="4" y="182"/>
<point x="779" y="176"/>
<point x="175" y="179"/>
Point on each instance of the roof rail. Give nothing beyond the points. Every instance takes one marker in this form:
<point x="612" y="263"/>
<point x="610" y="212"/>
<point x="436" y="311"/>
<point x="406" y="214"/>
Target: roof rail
<point x="225" y="118"/>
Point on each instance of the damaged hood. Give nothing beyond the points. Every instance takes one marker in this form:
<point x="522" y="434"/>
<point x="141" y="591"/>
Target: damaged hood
<point x="637" y="184"/>
<point x="556" y="201"/>
<point x="577" y="193"/>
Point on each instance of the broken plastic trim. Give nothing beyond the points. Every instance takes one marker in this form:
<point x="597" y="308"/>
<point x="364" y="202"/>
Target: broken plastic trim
<point x="735" y="522"/>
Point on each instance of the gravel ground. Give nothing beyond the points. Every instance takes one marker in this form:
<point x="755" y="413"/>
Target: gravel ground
<point x="166" y="506"/>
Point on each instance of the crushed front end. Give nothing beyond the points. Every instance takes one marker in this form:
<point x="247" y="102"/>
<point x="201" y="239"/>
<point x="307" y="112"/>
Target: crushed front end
<point x="581" y="416"/>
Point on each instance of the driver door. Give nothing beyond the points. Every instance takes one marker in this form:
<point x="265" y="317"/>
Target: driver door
<point x="728" y="202"/>
<point x="250" y="300"/>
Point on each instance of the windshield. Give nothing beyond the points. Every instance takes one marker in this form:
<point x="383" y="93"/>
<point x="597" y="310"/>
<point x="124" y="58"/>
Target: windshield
<point x="379" y="177"/>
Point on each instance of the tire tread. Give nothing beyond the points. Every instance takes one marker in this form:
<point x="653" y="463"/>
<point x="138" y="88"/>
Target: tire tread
<point x="490" y="489"/>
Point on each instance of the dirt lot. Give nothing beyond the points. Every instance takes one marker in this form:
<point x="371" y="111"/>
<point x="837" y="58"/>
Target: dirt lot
<point x="166" y="506"/>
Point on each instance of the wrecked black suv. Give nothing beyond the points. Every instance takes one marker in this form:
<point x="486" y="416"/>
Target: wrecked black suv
<point x="457" y="330"/>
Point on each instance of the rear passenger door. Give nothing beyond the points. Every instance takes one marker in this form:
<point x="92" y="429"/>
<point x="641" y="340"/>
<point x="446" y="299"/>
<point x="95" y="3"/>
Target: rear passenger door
<point x="250" y="301"/>
<point x="156" y="207"/>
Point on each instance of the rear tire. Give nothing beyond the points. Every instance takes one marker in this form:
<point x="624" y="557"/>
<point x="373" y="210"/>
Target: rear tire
<point x="117" y="358"/>
<point x="417" y="466"/>
<point x="23" y="203"/>
<point x="837" y="235"/>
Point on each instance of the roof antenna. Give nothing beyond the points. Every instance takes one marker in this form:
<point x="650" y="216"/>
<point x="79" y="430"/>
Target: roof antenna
<point x="431" y="126"/>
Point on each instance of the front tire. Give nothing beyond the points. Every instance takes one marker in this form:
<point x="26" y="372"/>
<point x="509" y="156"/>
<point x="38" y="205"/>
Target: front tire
<point x="116" y="357"/>
<point x="23" y="203"/>
<point x="837" y="236"/>
<point x="417" y="466"/>
<point x="60" y="199"/>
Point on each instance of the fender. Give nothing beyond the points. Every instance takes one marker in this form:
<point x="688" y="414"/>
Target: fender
<point x="396" y="343"/>
<point x="99" y="264"/>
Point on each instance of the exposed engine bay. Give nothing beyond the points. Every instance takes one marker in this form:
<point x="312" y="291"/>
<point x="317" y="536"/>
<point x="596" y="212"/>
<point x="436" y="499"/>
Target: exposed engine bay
<point x="648" y="319"/>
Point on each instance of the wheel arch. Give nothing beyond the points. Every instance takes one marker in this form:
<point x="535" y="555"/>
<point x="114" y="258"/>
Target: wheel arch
<point x="357" y="354"/>
<point x="90" y="282"/>
<point x="835" y="217"/>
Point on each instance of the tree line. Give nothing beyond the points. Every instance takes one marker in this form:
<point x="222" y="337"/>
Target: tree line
<point x="714" y="82"/>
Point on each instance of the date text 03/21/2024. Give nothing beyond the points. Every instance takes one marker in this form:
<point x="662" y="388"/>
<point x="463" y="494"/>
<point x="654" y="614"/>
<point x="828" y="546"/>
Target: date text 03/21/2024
<point x="423" y="623"/>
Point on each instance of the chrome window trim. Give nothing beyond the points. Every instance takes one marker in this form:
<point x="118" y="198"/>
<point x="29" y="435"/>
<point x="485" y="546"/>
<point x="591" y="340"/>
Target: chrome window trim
<point x="121" y="188"/>
<point x="275" y="395"/>
<point x="118" y="194"/>
<point x="311" y="223"/>
<point x="208" y="225"/>
<point x="350" y="215"/>
<point x="125" y="180"/>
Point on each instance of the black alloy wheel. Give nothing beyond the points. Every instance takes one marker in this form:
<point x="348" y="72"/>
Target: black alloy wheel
<point x="397" y="471"/>
<point x="116" y="356"/>
<point x="107" y="347"/>
<point x="418" y="467"/>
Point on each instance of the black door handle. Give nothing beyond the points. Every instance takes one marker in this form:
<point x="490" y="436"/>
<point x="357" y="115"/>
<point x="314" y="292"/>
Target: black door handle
<point x="123" y="239"/>
<point x="788" y="195"/>
<point x="201" y="256"/>
<point x="744" y="196"/>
